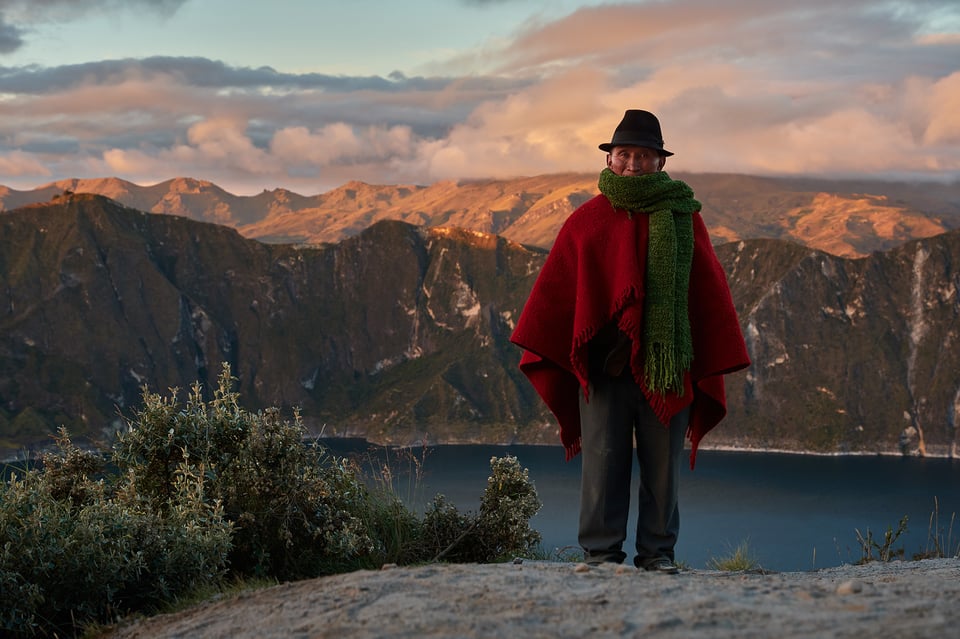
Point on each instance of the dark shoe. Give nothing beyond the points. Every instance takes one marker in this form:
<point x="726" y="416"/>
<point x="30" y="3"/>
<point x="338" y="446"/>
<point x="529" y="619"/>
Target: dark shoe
<point x="661" y="565"/>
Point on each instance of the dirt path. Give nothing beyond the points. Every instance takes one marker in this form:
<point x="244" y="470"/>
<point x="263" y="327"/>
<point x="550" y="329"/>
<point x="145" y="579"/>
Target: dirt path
<point x="548" y="599"/>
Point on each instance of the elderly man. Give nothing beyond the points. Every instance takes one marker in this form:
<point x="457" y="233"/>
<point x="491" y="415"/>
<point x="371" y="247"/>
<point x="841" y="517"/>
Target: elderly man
<point x="627" y="334"/>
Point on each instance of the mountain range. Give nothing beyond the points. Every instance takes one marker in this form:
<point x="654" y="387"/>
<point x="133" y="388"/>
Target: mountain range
<point x="842" y="217"/>
<point x="398" y="332"/>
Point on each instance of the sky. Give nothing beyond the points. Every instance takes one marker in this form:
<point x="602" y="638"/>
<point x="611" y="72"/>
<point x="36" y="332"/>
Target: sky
<point x="307" y="95"/>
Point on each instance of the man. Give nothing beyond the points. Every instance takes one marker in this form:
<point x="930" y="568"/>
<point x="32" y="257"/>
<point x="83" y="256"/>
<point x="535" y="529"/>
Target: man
<point x="627" y="334"/>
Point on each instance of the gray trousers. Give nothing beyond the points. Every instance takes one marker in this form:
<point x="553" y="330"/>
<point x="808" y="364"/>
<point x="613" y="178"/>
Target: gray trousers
<point x="616" y="414"/>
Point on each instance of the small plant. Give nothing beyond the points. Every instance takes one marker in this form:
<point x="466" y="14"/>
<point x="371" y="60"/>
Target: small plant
<point x="564" y="554"/>
<point x="500" y="531"/>
<point x="394" y="482"/>
<point x="400" y="472"/>
<point x="940" y="543"/>
<point x="885" y="549"/>
<point x="739" y="559"/>
<point x="508" y="503"/>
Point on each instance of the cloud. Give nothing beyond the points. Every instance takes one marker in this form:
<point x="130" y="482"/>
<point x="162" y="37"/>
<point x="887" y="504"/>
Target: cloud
<point x="38" y="11"/>
<point x="819" y="87"/>
<point x="854" y="37"/>
<point x="941" y="107"/>
<point x="833" y="88"/>
<point x="214" y="74"/>
<point x="17" y="163"/>
<point x="11" y="37"/>
<point x="340" y="143"/>
<point x="14" y="13"/>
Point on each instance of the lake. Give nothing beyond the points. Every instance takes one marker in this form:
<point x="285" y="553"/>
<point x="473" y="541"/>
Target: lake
<point x="795" y="512"/>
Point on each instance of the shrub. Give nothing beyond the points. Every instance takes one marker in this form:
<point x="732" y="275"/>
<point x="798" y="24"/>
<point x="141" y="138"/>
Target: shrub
<point x="502" y="527"/>
<point x="294" y="507"/>
<point x="508" y="503"/>
<point x="75" y="550"/>
<point x="193" y="490"/>
<point x="449" y="534"/>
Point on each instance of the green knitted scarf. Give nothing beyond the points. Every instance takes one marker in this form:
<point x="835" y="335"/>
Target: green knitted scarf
<point x="666" y="327"/>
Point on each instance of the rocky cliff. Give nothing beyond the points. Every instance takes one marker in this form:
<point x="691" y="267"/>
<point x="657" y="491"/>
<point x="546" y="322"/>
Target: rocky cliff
<point x="400" y="333"/>
<point x="848" y="355"/>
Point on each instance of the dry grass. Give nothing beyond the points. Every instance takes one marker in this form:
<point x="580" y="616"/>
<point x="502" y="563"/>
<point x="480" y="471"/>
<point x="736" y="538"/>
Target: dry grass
<point x="738" y="559"/>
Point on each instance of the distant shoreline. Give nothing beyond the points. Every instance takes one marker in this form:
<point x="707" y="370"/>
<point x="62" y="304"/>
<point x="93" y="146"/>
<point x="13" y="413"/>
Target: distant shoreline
<point x="19" y="458"/>
<point x="703" y="448"/>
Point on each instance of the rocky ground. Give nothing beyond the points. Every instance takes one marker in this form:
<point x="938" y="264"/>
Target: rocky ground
<point x="551" y="599"/>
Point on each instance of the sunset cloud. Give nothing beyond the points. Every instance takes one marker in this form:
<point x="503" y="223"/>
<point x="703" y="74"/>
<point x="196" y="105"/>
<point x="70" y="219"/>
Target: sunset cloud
<point x="826" y="88"/>
<point x="17" y="164"/>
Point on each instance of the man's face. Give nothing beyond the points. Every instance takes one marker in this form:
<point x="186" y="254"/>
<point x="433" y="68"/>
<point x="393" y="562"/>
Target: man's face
<point x="634" y="160"/>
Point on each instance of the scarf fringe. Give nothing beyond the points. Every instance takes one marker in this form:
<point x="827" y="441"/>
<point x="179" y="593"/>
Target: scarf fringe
<point x="664" y="369"/>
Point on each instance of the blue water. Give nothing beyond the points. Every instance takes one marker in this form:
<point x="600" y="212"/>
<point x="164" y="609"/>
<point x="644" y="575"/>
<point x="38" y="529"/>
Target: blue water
<point x="795" y="512"/>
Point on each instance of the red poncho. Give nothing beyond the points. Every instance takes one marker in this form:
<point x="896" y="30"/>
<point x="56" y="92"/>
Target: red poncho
<point x="595" y="273"/>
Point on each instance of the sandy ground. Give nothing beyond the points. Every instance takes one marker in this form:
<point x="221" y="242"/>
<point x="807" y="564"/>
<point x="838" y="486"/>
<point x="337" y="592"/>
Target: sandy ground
<point x="550" y="599"/>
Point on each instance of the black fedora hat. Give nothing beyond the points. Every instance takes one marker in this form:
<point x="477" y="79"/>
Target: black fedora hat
<point x="637" y="128"/>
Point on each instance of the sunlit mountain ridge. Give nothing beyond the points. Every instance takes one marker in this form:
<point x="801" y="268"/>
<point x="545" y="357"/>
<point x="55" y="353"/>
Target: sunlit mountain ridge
<point x="844" y="218"/>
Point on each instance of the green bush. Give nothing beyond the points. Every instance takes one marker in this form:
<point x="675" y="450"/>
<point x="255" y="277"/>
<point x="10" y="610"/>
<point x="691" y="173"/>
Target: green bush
<point x="449" y="534"/>
<point x="294" y="507"/>
<point x="196" y="493"/>
<point x="500" y="531"/>
<point x="74" y="549"/>
<point x="508" y="503"/>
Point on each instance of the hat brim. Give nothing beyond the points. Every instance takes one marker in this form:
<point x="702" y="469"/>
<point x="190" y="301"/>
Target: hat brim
<point x="608" y="146"/>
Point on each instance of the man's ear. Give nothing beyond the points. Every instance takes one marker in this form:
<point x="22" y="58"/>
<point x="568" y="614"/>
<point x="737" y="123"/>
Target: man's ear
<point x="663" y="160"/>
<point x="609" y="155"/>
